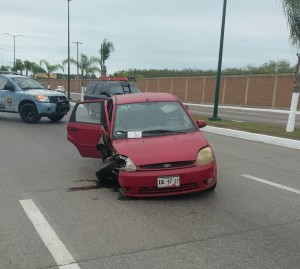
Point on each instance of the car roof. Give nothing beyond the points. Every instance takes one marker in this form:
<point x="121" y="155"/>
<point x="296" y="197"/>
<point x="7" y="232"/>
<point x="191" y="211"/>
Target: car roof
<point x="10" y="75"/>
<point x="144" y="97"/>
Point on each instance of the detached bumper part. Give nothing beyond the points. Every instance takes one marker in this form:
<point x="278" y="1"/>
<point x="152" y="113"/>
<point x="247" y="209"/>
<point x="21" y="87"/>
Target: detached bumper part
<point x="110" y="167"/>
<point x="107" y="169"/>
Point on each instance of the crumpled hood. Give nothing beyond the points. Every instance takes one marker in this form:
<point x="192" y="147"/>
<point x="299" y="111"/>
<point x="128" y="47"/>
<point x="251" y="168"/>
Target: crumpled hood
<point x="161" y="149"/>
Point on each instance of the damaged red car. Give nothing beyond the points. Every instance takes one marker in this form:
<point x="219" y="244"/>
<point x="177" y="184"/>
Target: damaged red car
<point x="149" y="142"/>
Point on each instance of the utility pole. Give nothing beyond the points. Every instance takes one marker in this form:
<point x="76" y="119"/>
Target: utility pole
<point x="2" y="56"/>
<point x="218" y="79"/>
<point x="77" y="43"/>
<point x="69" y="95"/>
<point x="14" y="36"/>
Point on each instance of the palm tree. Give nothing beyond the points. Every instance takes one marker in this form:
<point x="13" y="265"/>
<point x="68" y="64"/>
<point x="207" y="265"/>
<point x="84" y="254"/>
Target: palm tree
<point x="19" y="66"/>
<point x="105" y="50"/>
<point x="35" y="69"/>
<point x="27" y="66"/>
<point x="50" y="68"/>
<point x="291" y="9"/>
<point x="85" y="65"/>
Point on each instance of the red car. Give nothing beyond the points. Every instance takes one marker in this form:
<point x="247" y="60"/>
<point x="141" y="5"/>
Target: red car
<point x="149" y="141"/>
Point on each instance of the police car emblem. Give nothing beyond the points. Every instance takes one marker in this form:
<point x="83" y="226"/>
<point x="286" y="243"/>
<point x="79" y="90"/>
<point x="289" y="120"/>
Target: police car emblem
<point x="9" y="100"/>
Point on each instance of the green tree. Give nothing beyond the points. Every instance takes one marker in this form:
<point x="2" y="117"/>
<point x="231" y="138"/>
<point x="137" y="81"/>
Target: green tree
<point x="105" y="50"/>
<point x="4" y="68"/>
<point x="27" y="67"/>
<point x="19" y="66"/>
<point x="291" y="9"/>
<point x="85" y="65"/>
<point x="50" y="68"/>
<point x="35" y="69"/>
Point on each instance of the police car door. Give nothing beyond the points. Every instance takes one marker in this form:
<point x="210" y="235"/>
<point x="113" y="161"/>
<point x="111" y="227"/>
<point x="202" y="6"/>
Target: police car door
<point x="6" y="94"/>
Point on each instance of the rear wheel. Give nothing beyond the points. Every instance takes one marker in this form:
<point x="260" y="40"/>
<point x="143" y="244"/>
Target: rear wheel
<point x="29" y="113"/>
<point x="55" y="117"/>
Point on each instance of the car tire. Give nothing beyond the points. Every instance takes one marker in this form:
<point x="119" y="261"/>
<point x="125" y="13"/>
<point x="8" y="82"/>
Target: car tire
<point x="55" y="117"/>
<point x="29" y="113"/>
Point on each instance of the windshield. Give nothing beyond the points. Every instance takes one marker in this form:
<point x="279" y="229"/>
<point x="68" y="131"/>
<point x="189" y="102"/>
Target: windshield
<point x="26" y="83"/>
<point x="123" y="88"/>
<point x="151" y="119"/>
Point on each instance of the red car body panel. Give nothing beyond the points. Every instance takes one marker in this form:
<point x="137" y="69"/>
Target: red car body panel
<point x="85" y="137"/>
<point x="144" y="183"/>
<point x="161" y="149"/>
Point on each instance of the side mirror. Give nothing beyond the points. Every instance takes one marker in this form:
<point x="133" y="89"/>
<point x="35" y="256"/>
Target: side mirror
<point x="9" y="86"/>
<point x="201" y="123"/>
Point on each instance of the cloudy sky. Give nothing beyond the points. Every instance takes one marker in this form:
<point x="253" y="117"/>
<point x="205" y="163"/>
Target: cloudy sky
<point x="172" y="34"/>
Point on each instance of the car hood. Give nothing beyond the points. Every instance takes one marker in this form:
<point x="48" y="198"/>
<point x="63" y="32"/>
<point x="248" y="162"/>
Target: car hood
<point x="43" y="92"/>
<point x="161" y="149"/>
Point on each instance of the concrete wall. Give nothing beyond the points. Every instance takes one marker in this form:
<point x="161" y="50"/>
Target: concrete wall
<point x="265" y="91"/>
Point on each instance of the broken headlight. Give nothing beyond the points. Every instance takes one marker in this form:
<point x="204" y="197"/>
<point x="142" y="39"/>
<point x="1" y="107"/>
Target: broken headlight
<point x="126" y="164"/>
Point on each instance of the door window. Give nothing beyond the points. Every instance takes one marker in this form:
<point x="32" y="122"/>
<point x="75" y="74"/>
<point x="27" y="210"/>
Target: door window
<point x="98" y="88"/>
<point x="3" y="81"/>
<point x="89" y="113"/>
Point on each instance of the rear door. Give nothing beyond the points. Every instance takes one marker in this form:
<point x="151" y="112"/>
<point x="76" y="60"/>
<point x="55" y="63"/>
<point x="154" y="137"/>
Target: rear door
<point x="86" y="126"/>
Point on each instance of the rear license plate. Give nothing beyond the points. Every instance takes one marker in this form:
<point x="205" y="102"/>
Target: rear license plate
<point x="165" y="182"/>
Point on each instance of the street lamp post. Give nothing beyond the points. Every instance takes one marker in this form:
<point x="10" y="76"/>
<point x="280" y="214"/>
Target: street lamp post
<point x="2" y="56"/>
<point x="14" y="36"/>
<point x="77" y="43"/>
<point x="69" y="95"/>
<point x="218" y="79"/>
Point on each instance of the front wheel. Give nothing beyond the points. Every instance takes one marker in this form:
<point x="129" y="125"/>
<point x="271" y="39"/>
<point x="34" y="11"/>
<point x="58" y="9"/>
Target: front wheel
<point x="29" y="113"/>
<point x="55" y="117"/>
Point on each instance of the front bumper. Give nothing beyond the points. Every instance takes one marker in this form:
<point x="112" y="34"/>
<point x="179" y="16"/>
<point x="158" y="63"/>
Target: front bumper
<point x="46" y="109"/>
<point x="62" y="107"/>
<point x="144" y="183"/>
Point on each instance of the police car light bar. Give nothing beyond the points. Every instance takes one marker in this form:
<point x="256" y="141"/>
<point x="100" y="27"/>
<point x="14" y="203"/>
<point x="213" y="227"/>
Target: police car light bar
<point x="113" y="78"/>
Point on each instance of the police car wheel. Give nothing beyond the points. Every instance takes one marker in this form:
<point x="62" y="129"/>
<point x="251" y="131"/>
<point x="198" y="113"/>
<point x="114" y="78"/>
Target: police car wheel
<point x="29" y="113"/>
<point x="56" y="117"/>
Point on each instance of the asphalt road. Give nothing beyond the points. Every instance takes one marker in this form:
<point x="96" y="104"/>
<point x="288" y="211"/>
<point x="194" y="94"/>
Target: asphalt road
<point x="269" y="116"/>
<point x="251" y="220"/>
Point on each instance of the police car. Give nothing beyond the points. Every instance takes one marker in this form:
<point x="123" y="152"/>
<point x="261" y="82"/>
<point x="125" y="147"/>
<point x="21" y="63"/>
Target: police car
<point x="24" y="95"/>
<point x="106" y="87"/>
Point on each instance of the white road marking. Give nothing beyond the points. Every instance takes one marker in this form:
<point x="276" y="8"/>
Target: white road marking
<point x="272" y="184"/>
<point x="56" y="247"/>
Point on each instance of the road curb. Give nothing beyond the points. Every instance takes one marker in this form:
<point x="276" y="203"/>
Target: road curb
<point x="278" y="141"/>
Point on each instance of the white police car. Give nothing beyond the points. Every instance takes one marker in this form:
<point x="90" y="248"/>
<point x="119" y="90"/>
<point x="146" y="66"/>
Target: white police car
<point x="24" y="95"/>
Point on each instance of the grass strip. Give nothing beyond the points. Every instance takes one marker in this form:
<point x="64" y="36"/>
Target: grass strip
<point x="252" y="127"/>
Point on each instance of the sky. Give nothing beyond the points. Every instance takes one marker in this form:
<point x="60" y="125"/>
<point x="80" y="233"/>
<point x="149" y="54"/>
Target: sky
<point x="147" y="34"/>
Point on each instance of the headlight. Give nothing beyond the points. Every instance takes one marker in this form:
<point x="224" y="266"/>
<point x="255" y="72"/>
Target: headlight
<point x="42" y="98"/>
<point x="128" y="164"/>
<point x="204" y="156"/>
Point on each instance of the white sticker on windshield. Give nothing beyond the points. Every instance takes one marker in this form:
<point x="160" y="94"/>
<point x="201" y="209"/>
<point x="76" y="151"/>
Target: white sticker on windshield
<point x="136" y="134"/>
<point x="168" y="108"/>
